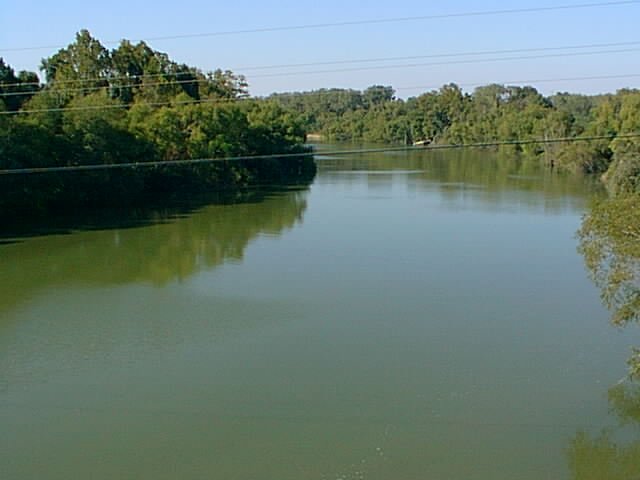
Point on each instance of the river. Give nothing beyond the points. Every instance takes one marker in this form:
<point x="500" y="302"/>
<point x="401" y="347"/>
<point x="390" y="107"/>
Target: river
<point x="419" y="315"/>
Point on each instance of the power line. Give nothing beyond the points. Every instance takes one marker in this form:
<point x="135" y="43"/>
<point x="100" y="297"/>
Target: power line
<point x="90" y="89"/>
<point x="93" y="79"/>
<point x="97" y="107"/>
<point x="330" y="62"/>
<point x="438" y="55"/>
<point x="106" y="78"/>
<point x="125" y="105"/>
<point x="505" y="83"/>
<point x="277" y="96"/>
<point x="539" y="80"/>
<point x="454" y="62"/>
<point x="427" y="87"/>
<point x="294" y="65"/>
<point x="76" y="168"/>
<point x="350" y="23"/>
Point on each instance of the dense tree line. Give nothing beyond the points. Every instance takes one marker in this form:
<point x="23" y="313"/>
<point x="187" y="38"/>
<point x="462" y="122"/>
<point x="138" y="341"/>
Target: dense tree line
<point x="610" y="234"/>
<point x="134" y="104"/>
<point x="491" y="113"/>
<point x="180" y="244"/>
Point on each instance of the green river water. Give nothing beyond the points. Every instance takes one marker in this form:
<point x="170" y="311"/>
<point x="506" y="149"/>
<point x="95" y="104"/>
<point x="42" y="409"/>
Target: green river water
<point x="407" y="316"/>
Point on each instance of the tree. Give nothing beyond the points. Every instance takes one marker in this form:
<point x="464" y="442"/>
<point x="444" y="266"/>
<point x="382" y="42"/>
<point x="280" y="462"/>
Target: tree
<point x="15" y="91"/>
<point x="134" y="105"/>
<point x="83" y="64"/>
<point x="610" y="244"/>
<point x="377" y="95"/>
<point x="225" y="85"/>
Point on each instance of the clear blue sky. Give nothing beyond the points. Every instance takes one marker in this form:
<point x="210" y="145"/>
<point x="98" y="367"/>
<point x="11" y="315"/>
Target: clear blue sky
<point x="26" y="24"/>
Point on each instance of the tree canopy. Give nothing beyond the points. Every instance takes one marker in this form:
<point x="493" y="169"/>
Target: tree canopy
<point x="134" y="104"/>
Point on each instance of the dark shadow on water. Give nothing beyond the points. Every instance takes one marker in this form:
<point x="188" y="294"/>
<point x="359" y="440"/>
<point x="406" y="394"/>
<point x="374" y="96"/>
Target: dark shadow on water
<point x="155" y="211"/>
<point x="156" y="245"/>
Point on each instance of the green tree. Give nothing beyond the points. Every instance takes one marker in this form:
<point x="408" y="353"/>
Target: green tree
<point x="377" y="95"/>
<point x="15" y="91"/>
<point x="610" y="244"/>
<point x="84" y="63"/>
<point x="225" y="85"/>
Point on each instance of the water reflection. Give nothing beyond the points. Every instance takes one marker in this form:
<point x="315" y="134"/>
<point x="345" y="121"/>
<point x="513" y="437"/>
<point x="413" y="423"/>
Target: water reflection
<point x="609" y="242"/>
<point x="610" y="454"/>
<point x="175" y="244"/>
<point x="493" y="180"/>
<point x="388" y="337"/>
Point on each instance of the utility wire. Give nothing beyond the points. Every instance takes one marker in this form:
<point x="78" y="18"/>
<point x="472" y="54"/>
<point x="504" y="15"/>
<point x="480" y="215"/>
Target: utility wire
<point x="125" y="105"/>
<point x="329" y="62"/>
<point x="351" y="23"/>
<point x="97" y="107"/>
<point x="265" y="67"/>
<point x="438" y="55"/>
<point x="106" y="78"/>
<point x="91" y="89"/>
<point x="454" y="62"/>
<point x="538" y="80"/>
<point x="426" y="87"/>
<point x="76" y="168"/>
<point x="277" y="96"/>
<point x="193" y="71"/>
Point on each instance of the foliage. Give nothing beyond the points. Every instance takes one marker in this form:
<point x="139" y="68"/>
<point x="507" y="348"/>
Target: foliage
<point x="133" y="105"/>
<point x="16" y="90"/>
<point x="159" y="109"/>
<point x="610" y="243"/>
<point x="602" y="457"/>
<point x="493" y="113"/>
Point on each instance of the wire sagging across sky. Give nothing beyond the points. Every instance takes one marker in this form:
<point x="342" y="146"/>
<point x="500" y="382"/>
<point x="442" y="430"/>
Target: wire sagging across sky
<point x="110" y="166"/>
<point x="330" y="62"/>
<point x="219" y="101"/>
<point x="350" y="23"/>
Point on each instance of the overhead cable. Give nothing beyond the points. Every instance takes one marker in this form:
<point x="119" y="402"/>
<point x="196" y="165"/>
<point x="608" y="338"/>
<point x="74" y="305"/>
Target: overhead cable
<point x="351" y="23"/>
<point x="131" y="78"/>
<point x="110" y="166"/>
<point x="276" y="96"/>
<point x="454" y="62"/>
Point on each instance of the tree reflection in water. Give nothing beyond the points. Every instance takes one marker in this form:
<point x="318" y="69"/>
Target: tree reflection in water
<point x="611" y="455"/>
<point x="156" y="246"/>
<point x="610" y="243"/>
